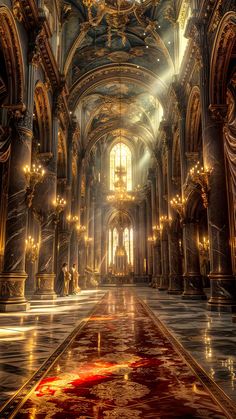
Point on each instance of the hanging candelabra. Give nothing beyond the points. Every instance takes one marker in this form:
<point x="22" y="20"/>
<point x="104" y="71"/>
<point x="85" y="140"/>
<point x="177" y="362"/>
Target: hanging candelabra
<point x="33" y="176"/>
<point x="32" y="250"/>
<point x="200" y="176"/>
<point x="120" y="193"/>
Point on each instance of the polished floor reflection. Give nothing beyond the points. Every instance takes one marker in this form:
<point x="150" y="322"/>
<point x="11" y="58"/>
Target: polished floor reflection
<point x="210" y="337"/>
<point x="28" y="339"/>
<point x="122" y="364"/>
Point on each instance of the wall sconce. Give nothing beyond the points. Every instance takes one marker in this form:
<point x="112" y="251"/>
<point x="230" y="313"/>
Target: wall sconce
<point x="203" y="246"/>
<point x="33" y="176"/>
<point x="178" y="204"/>
<point x="32" y="250"/>
<point x="151" y="239"/>
<point x="88" y="240"/>
<point x="200" y="176"/>
<point x="165" y="221"/>
<point x="59" y="204"/>
<point x="80" y="228"/>
<point x="72" y="219"/>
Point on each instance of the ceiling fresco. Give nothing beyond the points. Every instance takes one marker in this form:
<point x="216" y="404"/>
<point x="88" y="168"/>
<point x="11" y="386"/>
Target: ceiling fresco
<point x="137" y="34"/>
<point x="119" y="103"/>
<point x="144" y="40"/>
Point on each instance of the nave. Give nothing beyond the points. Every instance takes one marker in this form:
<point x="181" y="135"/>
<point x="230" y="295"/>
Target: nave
<point x="121" y="353"/>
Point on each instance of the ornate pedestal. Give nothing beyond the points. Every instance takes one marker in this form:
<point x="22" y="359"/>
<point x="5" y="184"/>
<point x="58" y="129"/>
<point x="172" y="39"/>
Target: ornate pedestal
<point x="45" y="287"/>
<point x="12" y="290"/>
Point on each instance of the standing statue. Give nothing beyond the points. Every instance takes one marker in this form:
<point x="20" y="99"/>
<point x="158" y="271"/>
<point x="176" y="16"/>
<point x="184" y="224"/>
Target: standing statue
<point x="74" y="283"/>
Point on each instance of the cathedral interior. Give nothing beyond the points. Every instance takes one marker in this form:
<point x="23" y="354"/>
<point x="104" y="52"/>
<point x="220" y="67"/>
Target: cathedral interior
<point x="117" y="209"/>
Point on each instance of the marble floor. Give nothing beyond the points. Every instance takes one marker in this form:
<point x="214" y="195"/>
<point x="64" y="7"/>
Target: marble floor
<point x="210" y="337"/>
<point x="28" y="339"/>
<point x="122" y="364"/>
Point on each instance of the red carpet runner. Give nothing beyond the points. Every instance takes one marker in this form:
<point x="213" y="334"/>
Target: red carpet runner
<point x="120" y="365"/>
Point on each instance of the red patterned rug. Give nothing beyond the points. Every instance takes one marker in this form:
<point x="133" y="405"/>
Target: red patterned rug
<point x="121" y="365"/>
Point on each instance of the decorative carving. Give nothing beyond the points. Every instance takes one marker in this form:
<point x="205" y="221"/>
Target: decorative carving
<point x="17" y="11"/>
<point x="37" y="36"/>
<point x="217" y="16"/>
<point x="11" y="288"/>
<point x="116" y="16"/>
<point x="218" y="112"/>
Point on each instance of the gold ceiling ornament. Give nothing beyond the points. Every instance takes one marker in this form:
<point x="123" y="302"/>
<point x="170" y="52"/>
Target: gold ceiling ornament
<point x="116" y="14"/>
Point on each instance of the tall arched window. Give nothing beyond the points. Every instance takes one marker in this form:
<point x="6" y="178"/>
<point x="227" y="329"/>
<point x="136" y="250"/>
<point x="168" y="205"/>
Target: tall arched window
<point x="120" y="156"/>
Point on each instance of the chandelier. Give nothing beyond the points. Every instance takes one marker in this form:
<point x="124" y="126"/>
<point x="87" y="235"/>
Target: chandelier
<point x="120" y="194"/>
<point x="116" y="14"/>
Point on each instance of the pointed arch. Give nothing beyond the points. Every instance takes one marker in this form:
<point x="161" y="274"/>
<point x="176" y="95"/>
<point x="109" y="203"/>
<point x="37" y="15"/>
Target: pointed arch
<point x="222" y="50"/>
<point x="10" y="44"/>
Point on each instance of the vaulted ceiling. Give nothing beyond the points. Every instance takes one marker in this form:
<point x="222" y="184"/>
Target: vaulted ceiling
<point x="118" y="62"/>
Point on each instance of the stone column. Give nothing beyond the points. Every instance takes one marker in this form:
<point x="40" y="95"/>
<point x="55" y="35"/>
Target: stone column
<point x="157" y="262"/>
<point x="45" y="276"/>
<point x="45" y="211"/>
<point x="175" y="262"/>
<point x="193" y="284"/>
<point x="149" y="233"/>
<point x="156" y="247"/>
<point x="97" y="235"/>
<point x="64" y="236"/>
<point x="12" y="279"/>
<point x="164" y="280"/>
<point x="223" y="284"/>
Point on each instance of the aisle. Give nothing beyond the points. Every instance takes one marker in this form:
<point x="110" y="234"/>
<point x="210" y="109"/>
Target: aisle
<point x="122" y="365"/>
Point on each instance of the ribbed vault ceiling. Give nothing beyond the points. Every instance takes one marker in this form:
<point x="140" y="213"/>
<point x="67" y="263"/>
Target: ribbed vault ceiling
<point x="138" y="50"/>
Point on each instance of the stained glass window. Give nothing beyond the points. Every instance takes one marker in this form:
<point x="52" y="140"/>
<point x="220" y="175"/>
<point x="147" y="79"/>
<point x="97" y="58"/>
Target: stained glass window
<point x="120" y="156"/>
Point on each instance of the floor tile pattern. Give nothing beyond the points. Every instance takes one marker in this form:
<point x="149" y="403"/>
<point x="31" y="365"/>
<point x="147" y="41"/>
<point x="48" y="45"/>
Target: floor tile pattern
<point x="121" y="364"/>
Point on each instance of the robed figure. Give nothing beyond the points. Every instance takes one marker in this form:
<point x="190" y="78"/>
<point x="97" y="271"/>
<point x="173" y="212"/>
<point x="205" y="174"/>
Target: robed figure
<point x="63" y="281"/>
